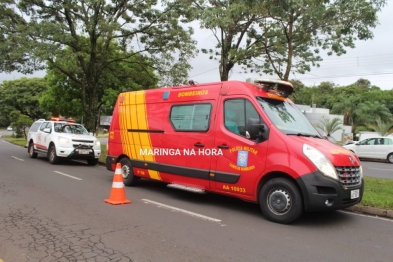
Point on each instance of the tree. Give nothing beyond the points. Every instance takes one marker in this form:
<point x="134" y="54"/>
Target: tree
<point x="63" y="97"/>
<point x="36" y="34"/>
<point x="383" y="128"/>
<point x="329" y="126"/>
<point x="22" y="95"/>
<point x="349" y="108"/>
<point x="370" y="111"/>
<point x="20" y="123"/>
<point x="283" y="37"/>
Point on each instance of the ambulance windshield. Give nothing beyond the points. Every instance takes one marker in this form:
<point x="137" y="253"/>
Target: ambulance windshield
<point x="287" y="117"/>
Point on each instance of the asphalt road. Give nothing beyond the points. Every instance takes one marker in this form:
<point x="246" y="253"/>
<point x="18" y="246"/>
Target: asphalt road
<point x="57" y="213"/>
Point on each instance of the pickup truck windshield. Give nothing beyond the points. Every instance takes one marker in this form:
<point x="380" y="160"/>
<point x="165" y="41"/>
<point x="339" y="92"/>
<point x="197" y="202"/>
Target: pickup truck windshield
<point x="287" y="117"/>
<point x="70" y="128"/>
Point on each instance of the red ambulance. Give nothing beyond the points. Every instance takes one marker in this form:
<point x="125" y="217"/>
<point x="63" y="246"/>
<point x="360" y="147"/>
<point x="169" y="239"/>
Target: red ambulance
<point x="245" y="140"/>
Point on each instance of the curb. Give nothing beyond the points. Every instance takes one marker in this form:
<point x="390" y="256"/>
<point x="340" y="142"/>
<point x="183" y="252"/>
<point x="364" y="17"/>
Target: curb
<point x="371" y="211"/>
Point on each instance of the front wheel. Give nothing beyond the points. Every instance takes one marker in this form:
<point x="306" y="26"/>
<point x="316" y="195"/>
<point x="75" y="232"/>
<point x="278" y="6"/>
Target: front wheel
<point x="128" y="175"/>
<point x="281" y="201"/>
<point x="53" y="158"/>
<point x="390" y="158"/>
<point x="32" y="154"/>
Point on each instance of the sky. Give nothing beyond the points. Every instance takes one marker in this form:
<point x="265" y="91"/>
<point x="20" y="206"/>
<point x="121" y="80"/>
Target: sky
<point x="371" y="59"/>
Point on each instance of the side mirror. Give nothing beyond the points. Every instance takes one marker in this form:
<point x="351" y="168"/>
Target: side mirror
<point x="46" y="130"/>
<point x="256" y="130"/>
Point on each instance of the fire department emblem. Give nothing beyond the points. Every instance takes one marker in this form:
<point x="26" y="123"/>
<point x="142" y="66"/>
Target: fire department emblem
<point x="242" y="158"/>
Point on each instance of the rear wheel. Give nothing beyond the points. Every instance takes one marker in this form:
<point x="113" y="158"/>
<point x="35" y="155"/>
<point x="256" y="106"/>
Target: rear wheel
<point x="281" y="201"/>
<point x="53" y="158"/>
<point x="128" y="175"/>
<point x="32" y="154"/>
<point x="92" y="162"/>
<point x="390" y="158"/>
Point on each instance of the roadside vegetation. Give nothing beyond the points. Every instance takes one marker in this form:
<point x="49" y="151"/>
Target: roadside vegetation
<point x="378" y="192"/>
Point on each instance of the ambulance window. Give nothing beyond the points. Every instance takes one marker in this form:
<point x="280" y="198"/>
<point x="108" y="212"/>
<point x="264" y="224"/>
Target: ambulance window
<point x="191" y="117"/>
<point x="236" y="113"/>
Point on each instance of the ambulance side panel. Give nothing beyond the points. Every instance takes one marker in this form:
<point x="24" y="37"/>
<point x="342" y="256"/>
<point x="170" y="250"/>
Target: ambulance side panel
<point x="188" y="126"/>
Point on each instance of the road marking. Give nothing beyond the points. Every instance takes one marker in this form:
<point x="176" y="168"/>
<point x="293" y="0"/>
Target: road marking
<point x="183" y="211"/>
<point x="17" y="159"/>
<point x="381" y="169"/>
<point x="77" y="178"/>
<point x="364" y="215"/>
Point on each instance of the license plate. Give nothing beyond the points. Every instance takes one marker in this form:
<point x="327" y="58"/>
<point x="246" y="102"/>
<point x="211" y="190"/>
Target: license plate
<point x="84" y="152"/>
<point x="354" y="194"/>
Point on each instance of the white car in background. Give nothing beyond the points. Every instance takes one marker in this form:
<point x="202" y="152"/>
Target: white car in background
<point x="373" y="148"/>
<point x="9" y="128"/>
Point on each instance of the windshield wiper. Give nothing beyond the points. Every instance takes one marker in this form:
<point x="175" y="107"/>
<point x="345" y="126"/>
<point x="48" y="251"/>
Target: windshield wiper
<point x="303" y="134"/>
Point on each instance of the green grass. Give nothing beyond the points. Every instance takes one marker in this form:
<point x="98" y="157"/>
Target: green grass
<point x="378" y="192"/>
<point x="103" y="154"/>
<point x="16" y="141"/>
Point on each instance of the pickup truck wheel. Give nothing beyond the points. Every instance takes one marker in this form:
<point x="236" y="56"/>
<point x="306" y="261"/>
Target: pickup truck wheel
<point x="281" y="201"/>
<point x="128" y="175"/>
<point x="32" y="154"/>
<point x="92" y="162"/>
<point x="53" y="158"/>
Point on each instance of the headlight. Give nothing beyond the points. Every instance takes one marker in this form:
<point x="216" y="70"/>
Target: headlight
<point x="97" y="143"/>
<point x="320" y="161"/>
<point x="63" y="140"/>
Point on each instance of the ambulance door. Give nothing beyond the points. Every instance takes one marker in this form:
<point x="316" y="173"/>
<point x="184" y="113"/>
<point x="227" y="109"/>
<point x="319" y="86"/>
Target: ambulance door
<point x="243" y="160"/>
<point x="189" y="138"/>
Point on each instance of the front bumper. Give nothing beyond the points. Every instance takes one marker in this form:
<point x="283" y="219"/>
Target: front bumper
<point x="110" y="163"/>
<point x="78" y="152"/>
<point x="321" y="193"/>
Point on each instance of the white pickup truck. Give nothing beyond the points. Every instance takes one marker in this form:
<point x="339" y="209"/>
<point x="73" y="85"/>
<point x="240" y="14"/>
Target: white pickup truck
<point x="62" y="138"/>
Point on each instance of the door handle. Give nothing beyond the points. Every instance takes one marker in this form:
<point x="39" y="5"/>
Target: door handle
<point x="199" y="144"/>
<point x="223" y="146"/>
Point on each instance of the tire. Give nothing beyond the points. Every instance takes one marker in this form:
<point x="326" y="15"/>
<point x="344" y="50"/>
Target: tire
<point x="92" y="162"/>
<point x="390" y="158"/>
<point x="128" y="175"/>
<point x="53" y="158"/>
<point x="32" y="154"/>
<point x="281" y="201"/>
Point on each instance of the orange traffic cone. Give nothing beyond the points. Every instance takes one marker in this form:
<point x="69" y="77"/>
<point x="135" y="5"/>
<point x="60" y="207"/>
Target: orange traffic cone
<point x="118" y="195"/>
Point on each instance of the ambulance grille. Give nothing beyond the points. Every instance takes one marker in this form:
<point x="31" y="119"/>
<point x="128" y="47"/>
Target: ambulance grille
<point x="349" y="175"/>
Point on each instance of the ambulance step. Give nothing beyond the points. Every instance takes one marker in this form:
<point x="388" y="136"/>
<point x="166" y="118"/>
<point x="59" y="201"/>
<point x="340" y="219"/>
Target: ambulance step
<point x="187" y="188"/>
